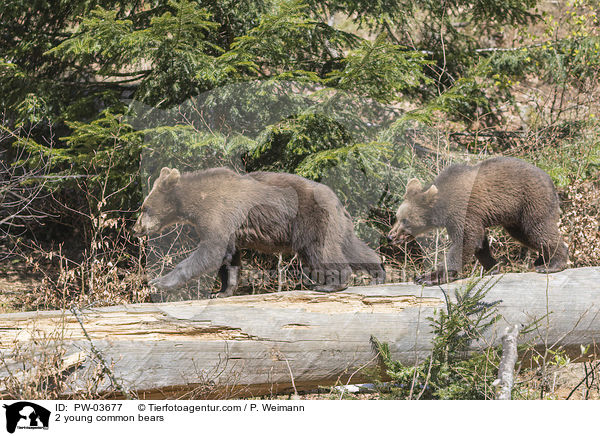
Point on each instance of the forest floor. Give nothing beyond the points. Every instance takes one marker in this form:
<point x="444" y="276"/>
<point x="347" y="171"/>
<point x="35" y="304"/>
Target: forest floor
<point x="564" y="382"/>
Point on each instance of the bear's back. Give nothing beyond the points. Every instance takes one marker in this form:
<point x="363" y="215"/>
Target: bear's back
<point x="316" y="201"/>
<point x="497" y="190"/>
<point x="307" y="190"/>
<point x="220" y="197"/>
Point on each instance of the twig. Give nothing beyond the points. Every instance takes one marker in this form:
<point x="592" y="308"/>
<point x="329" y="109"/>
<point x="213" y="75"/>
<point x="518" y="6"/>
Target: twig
<point x="357" y="370"/>
<point x="100" y="358"/>
<point x="584" y="379"/>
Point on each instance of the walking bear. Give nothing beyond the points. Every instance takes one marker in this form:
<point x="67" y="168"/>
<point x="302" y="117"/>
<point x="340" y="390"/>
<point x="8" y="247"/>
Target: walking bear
<point x="267" y="212"/>
<point x="465" y="199"/>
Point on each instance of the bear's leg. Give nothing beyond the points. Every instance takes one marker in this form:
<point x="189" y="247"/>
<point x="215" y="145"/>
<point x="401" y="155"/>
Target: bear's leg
<point x="207" y="257"/>
<point x="377" y="273"/>
<point x="331" y="277"/>
<point x="546" y="240"/>
<point x="517" y="233"/>
<point x="322" y="276"/>
<point x="463" y="246"/>
<point x="554" y="254"/>
<point x="364" y="259"/>
<point x="375" y="270"/>
<point x="229" y="275"/>
<point x="484" y="255"/>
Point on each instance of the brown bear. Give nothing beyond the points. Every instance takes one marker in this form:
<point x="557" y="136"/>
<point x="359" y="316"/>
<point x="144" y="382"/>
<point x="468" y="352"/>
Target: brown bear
<point x="268" y="212"/>
<point x="501" y="191"/>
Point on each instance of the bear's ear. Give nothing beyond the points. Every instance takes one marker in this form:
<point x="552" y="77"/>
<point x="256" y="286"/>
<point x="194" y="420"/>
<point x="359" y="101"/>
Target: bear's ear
<point x="413" y="187"/>
<point x="430" y="195"/>
<point x="168" y="178"/>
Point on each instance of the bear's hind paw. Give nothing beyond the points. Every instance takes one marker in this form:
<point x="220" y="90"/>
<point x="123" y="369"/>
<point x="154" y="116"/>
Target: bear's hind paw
<point x="543" y="269"/>
<point x="329" y="288"/>
<point x="433" y="278"/>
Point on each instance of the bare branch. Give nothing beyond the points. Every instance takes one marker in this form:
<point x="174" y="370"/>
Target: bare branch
<point x="506" y="370"/>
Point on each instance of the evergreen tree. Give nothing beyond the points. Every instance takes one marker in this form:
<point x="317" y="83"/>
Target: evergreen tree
<point x="69" y="69"/>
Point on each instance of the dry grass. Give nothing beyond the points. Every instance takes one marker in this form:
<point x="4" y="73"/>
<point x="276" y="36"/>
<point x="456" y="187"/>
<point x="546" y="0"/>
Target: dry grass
<point x="42" y="368"/>
<point x="581" y="223"/>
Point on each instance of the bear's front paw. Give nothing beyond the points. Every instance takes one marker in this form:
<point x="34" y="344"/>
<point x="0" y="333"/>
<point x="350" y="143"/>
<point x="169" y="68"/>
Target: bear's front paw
<point x="495" y="270"/>
<point x="221" y="294"/>
<point x="164" y="283"/>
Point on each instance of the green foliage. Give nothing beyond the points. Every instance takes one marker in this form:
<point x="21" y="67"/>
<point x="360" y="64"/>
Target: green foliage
<point x="284" y="146"/>
<point x="184" y="148"/>
<point x="322" y="89"/>
<point x="366" y="158"/>
<point x="107" y="151"/>
<point x="289" y="44"/>
<point x="167" y="55"/>
<point x="380" y="70"/>
<point x="451" y="372"/>
<point x="578" y="157"/>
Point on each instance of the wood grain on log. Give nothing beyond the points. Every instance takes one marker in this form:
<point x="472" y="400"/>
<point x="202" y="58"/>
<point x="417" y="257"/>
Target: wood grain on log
<point x="261" y="342"/>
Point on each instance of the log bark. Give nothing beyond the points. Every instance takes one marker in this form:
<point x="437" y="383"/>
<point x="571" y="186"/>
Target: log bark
<point x="263" y="344"/>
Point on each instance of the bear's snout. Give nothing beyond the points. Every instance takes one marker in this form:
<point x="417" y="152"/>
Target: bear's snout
<point x="140" y="228"/>
<point x="137" y="229"/>
<point x="148" y="224"/>
<point x="398" y="236"/>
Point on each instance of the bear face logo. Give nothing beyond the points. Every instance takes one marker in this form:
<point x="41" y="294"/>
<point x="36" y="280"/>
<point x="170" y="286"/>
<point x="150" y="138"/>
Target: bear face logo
<point x="25" y="414"/>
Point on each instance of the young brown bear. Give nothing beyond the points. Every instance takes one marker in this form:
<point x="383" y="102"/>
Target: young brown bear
<point x="268" y="212"/>
<point x="465" y="199"/>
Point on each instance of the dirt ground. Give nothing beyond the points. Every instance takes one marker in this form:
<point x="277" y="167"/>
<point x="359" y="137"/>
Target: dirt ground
<point x="566" y="382"/>
<point x="14" y="281"/>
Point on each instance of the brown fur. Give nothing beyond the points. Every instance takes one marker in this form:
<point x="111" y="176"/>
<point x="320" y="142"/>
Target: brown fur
<point x="268" y="212"/>
<point x="464" y="199"/>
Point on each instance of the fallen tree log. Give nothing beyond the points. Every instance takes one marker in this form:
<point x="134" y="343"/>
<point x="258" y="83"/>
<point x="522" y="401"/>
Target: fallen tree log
<point x="260" y="344"/>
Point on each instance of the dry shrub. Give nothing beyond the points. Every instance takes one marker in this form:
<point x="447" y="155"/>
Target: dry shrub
<point x="262" y="273"/>
<point x="511" y="254"/>
<point x="42" y="368"/>
<point x="105" y="274"/>
<point x="581" y="222"/>
<point x="218" y="383"/>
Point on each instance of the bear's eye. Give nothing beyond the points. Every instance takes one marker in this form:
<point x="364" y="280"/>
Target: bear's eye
<point x="404" y="221"/>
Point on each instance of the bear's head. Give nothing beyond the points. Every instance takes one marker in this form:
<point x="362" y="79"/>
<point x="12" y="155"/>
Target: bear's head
<point x="414" y="214"/>
<point x="159" y="209"/>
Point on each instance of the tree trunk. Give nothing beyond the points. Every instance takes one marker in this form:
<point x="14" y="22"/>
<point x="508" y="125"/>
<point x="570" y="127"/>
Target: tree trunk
<point x="259" y="344"/>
